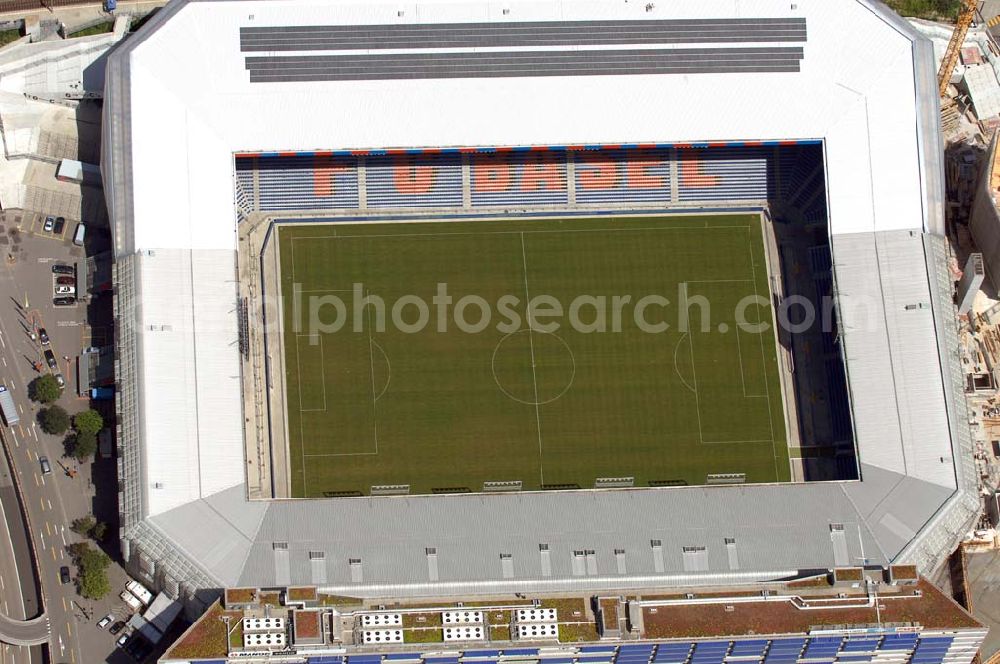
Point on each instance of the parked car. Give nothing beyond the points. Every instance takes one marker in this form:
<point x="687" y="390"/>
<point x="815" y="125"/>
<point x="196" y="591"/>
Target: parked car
<point x="63" y="301"/>
<point x="117" y="627"/>
<point x="60" y="225"/>
<point x="59" y="268"/>
<point x="65" y="290"/>
<point x="122" y="640"/>
<point x="66" y="281"/>
<point x="49" y="223"/>
<point x="61" y="380"/>
<point x="50" y="359"/>
<point x="43" y="336"/>
<point x="105" y="621"/>
<point x="64" y="577"/>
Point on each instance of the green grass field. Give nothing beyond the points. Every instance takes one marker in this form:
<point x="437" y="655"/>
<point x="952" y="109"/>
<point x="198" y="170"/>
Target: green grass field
<point x="449" y="410"/>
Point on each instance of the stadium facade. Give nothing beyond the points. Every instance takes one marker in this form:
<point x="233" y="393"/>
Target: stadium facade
<point x="207" y="92"/>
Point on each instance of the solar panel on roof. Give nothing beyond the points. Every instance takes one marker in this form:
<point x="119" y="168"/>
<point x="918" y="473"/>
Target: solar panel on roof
<point x="558" y="660"/>
<point x="441" y="660"/>
<point x="401" y="655"/>
<point x="481" y="653"/>
<point x="854" y="658"/>
<point x="592" y="659"/>
<point x="598" y="648"/>
<point x="936" y="639"/>
<point x="520" y="651"/>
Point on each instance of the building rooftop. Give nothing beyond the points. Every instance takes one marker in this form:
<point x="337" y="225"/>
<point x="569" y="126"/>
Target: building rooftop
<point x="814" y="608"/>
<point x="170" y="191"/>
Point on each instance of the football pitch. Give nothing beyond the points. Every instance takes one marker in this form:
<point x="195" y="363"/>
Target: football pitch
<point x="632" y="365"/>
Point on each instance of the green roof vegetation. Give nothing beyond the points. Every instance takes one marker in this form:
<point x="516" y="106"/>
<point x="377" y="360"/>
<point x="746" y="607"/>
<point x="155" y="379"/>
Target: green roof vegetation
<point x="933" y="10"/>
<point x="98" y="29"/>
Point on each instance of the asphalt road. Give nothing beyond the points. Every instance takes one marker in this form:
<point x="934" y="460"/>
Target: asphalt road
<point x="19" y="597"/>
<point x="53" y="500"/>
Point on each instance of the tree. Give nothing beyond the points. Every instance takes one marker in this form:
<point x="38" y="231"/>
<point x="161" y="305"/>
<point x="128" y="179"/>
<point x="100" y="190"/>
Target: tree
<point x="89" y="421"/>
<point x="99" y="530"/>
<point x="54" y="420"/>
<point x="84" y="525"/>
<point x="44" y="389"/>
<point x="84" y="446"/>
<point x="92" y="564"/>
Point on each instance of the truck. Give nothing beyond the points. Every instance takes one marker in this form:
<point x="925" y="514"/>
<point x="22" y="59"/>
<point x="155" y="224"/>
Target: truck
<point x="71" y="170"/>
<point x="131" y="600"/>
<point x="140" y="592"/>
<point x="102" y="393"/>
<point x="7" y="406"/>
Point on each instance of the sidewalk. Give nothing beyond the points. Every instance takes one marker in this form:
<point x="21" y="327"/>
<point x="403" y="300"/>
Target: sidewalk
<point x="85" y="14"/>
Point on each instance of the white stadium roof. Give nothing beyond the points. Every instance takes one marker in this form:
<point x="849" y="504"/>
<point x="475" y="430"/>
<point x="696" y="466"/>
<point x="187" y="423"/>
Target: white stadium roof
<point x="181" y="99"/>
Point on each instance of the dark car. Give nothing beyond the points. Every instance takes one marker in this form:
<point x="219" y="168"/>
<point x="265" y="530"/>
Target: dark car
<point x="63" y="301"/>
<point x="50" y="359"/>
<point x="68" y="281"/>
<point x="64" y="575"/>
<point x="43" y="336"/>
<point x="59" y="268"/>
<point x="59" y="225"/>
<point x="117" y="627"/>
<point x="138" y="648"/>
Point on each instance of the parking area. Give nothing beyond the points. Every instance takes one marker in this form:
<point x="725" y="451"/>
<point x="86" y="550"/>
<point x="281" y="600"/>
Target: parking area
<point x="41" y="333"/>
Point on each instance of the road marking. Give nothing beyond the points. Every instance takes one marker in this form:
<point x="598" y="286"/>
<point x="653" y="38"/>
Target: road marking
<point x="36" y="478"/>
<point x="65" y="607"/>
<point x="47" y="530"/>
<point x="69" y="629"/>
<point x="41" y="501"/>
<point x="53" y="549"/>
<point x="34" y="432"/>
<point x="3" y="586"/>
<point x="4" y="360"/>
<point x="49" y="503"/>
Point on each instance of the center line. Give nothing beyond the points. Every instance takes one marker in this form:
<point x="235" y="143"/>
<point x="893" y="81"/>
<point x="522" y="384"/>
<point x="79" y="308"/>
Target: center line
<point x="534" y="377"/>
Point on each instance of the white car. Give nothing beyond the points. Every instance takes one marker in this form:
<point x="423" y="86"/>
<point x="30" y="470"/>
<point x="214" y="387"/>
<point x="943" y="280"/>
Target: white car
<point x="105" y="621"/>
<point x="122" y="640"/>
<point x="49" y="223"/>
<point x="65" y="290"/>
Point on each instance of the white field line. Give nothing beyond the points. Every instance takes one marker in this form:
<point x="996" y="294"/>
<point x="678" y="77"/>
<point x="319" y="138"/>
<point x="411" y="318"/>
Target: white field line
<point x="534" y="377"/>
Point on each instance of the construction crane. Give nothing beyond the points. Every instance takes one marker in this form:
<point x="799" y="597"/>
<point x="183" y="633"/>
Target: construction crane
<point x="965" y="18"/>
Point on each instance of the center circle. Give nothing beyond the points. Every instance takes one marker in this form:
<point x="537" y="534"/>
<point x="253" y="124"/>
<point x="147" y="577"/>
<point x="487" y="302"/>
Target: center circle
<point x="533" y="367"/>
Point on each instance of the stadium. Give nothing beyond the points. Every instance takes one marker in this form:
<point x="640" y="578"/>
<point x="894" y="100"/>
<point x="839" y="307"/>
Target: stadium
<point x="265" y="159"/>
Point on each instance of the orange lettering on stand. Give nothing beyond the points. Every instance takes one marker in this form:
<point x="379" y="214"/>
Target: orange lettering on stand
<point x="639" y="176"/>
<point x="691" y="173"/>
<point x="410" y="178"/>
<point x="596" y="172"/>
<point x="490" y="173"/>
<point x="325" y="169"/>
<point x="540" y="171"/>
